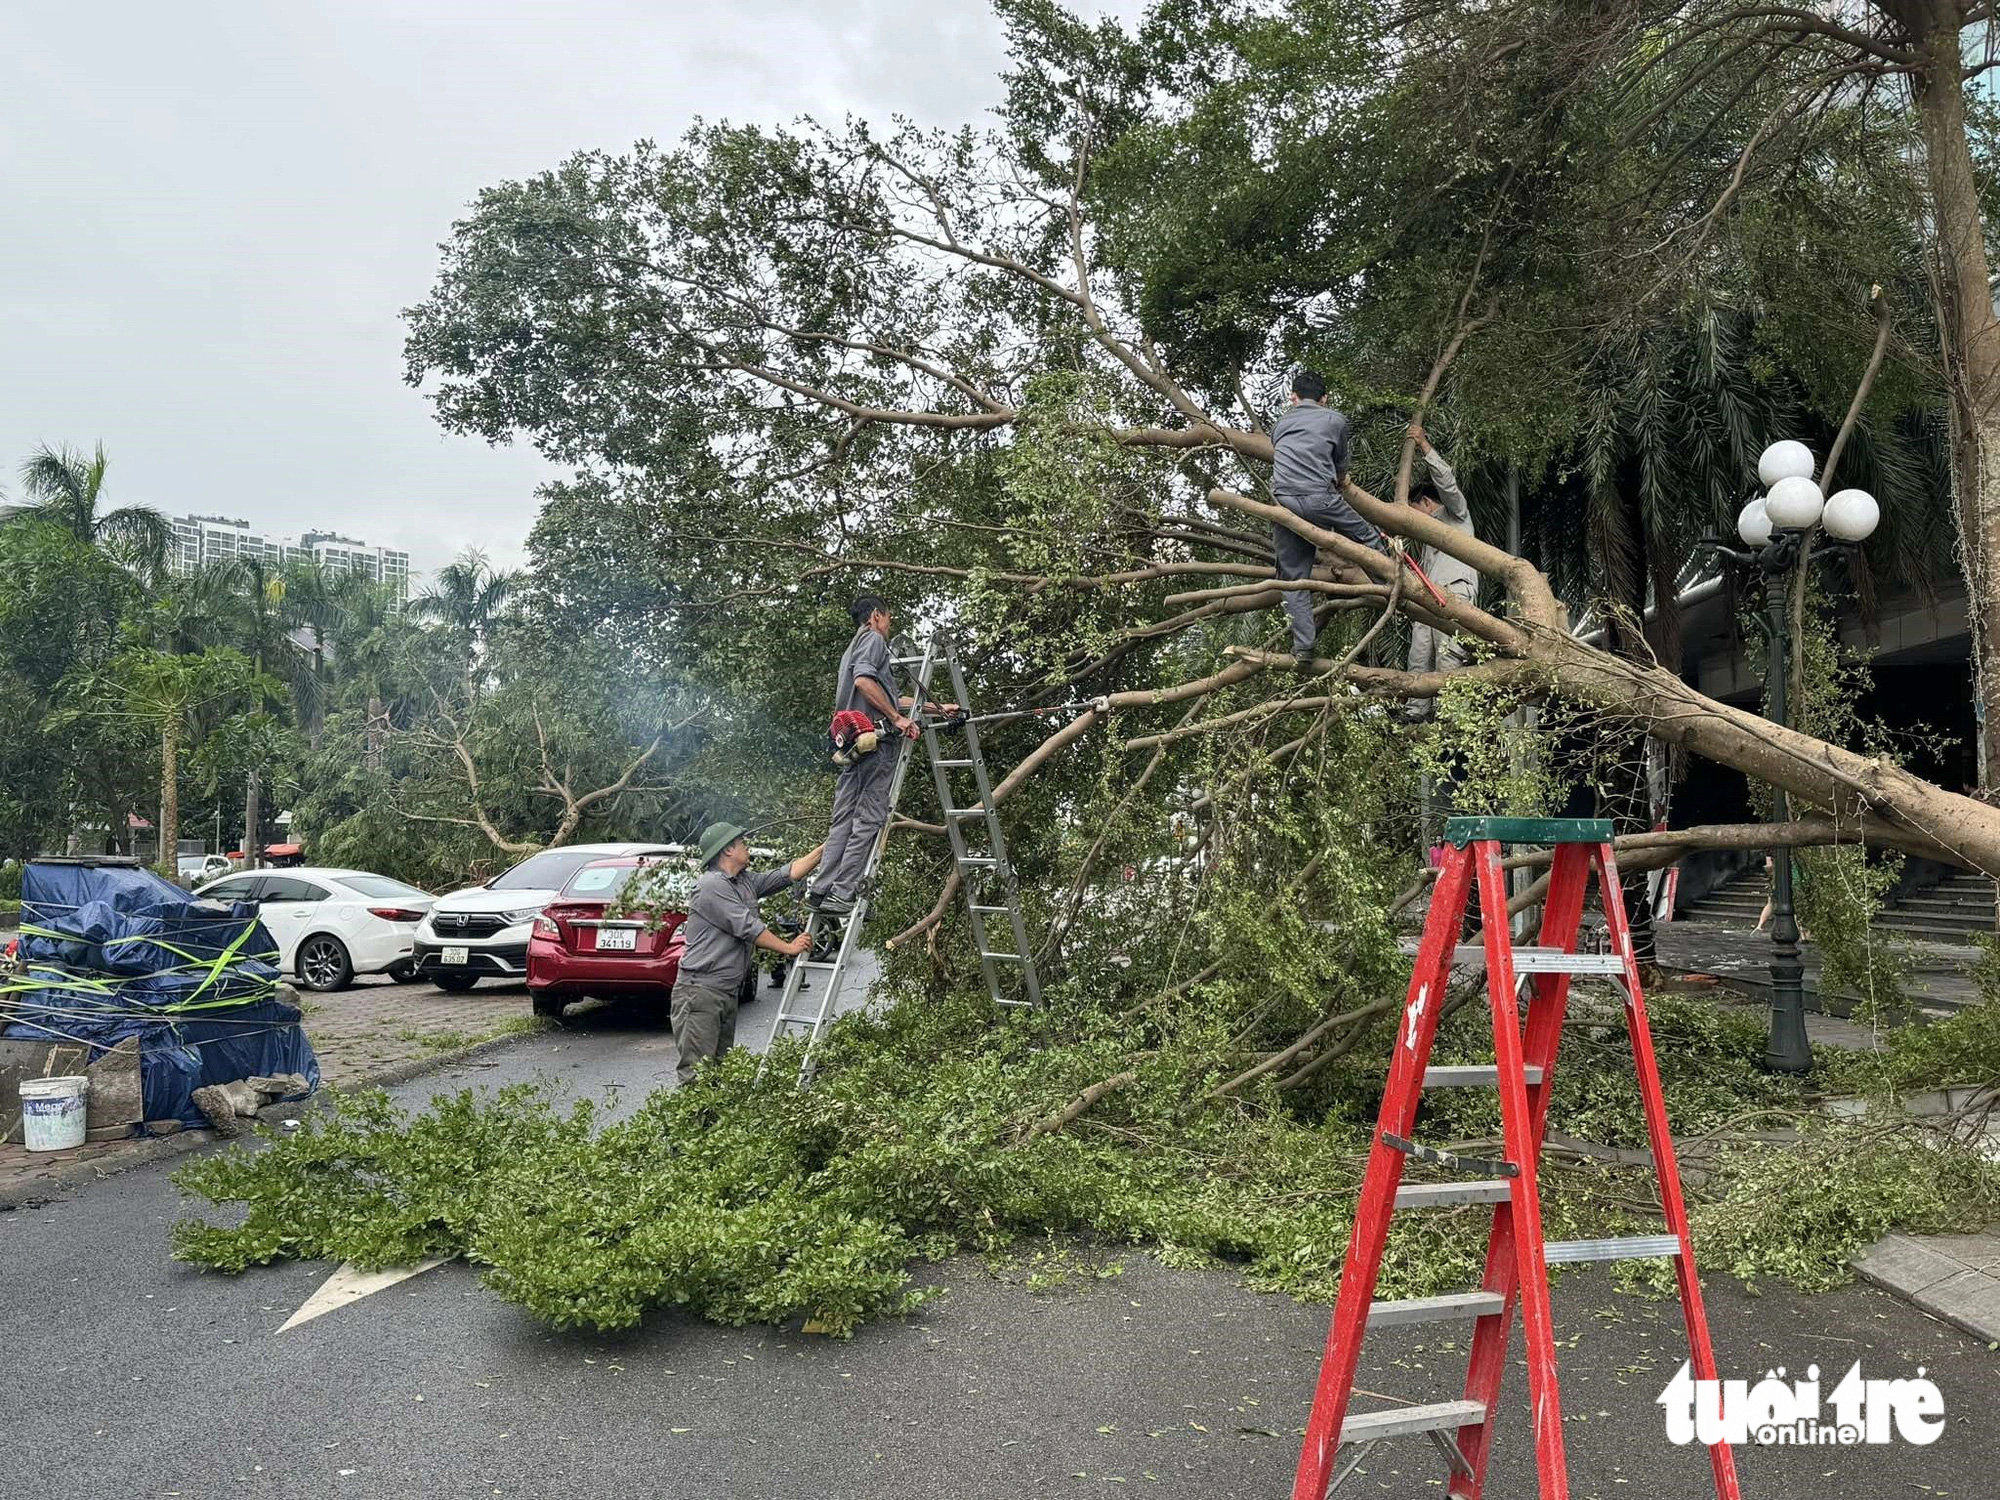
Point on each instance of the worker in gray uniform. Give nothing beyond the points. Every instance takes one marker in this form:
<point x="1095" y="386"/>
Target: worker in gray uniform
<point x="1308" y="470"/>
<point x="1437" y="495"/>
<point x="722" y="928"/>
<point x="861" y="793"/>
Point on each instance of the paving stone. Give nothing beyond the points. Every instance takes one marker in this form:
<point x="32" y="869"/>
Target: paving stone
<point x="1905" y="1266"/>
<point x="1969" y="1300"/>
<point x="1976" y="1252"/>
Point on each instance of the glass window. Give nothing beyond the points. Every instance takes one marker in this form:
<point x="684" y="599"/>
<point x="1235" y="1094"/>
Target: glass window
<point x="231" y="890"/>
<point x="290" y="888"/>
<point x="550" y="870"/>
<point x="599" y="881"/>
<point x="381" y="886"/>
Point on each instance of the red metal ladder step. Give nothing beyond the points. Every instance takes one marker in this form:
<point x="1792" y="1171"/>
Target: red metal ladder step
<point x="1517" y="1257"/>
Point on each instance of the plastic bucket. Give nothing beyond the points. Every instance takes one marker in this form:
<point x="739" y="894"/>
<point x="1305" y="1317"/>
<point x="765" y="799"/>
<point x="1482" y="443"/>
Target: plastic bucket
<point x="52" y="1112"/>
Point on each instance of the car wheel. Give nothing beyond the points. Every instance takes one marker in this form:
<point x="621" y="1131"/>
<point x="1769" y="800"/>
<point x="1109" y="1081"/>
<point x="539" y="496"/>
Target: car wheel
<point x="456" y="984"/>
<point x="322" y="963"/>
<point x="549" y="1007"/>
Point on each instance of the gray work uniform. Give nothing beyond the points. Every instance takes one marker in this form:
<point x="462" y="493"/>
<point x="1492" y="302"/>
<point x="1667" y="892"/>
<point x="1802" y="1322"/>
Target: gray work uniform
<point x="1436" y="650"/>
<point x="720" y="934"/>
<point x="861" y="793"/>
<point x="1308" y="462"/>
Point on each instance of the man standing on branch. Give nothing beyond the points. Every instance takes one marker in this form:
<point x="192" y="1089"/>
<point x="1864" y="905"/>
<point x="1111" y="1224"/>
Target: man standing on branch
<point x="721" y="930"/>
<point x="1437" y="495"/>
<point x="861" y="794"/>
<point x="1308" y="469"/>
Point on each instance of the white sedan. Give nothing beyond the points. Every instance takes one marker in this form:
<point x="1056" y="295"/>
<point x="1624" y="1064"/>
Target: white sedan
<point x="330" y="925"/>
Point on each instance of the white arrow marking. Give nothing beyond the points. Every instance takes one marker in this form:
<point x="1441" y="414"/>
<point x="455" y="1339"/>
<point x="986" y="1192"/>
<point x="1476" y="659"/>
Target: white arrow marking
<point x="350" y="1285"/>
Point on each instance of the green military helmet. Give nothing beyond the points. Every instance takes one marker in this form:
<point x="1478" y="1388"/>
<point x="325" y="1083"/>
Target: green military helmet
<point x="717" y="837"/>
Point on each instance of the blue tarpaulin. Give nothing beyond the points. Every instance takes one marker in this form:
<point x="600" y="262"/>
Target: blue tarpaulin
<point x="110" y="952"/>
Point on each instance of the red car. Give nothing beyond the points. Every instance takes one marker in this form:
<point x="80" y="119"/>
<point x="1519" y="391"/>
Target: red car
<point x="575" y="951"/>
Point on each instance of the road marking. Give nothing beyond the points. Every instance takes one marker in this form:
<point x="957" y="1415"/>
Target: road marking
<point x="348" y="1285"/>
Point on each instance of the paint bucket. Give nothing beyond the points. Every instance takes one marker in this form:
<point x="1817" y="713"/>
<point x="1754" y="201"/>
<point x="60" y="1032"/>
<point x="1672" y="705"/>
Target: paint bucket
<point x="52" y="1112"/>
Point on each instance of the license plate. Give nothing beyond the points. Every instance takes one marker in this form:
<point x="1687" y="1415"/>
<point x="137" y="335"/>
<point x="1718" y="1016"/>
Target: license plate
<point x="454" y="958"/>
<point x="617" y="939"/>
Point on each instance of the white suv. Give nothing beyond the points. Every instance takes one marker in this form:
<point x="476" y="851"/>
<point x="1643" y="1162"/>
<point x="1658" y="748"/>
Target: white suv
<point x="482" y="932"/>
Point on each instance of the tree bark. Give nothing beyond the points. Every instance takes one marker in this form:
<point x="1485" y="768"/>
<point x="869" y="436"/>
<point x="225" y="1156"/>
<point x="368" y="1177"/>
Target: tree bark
<point x="1536" y="651"/>
<point x="170" y="798"/>
<point x="1971" y="337"/>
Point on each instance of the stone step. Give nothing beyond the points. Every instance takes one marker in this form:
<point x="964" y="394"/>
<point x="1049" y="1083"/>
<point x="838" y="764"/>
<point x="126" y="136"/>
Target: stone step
<point x="1945" y="904"/>
<point x="1934" y="921"/>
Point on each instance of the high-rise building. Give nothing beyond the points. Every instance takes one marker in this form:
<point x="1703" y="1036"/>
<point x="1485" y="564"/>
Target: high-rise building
<point x="210" y="539"/>
<point x="380" y="564"/>
<point x="207" y="539"/>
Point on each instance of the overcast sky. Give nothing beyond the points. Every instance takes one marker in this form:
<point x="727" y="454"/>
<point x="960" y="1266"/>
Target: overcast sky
<point x="217" y="209"/>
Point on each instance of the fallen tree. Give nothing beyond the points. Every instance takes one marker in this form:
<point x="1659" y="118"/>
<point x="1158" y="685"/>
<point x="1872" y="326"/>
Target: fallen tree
<point x="889" y="318"/>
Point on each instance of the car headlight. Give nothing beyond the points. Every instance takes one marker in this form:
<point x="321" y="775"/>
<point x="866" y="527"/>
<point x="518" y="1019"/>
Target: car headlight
<point x="525" y="914"/>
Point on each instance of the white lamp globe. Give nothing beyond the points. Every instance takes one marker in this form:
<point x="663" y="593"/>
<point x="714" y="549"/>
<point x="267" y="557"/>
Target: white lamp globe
<point x="1785" y="459"/>
<point x="1754" y="524"/>
<point x="1851" y="515"/>
<point x="1794" y="503"/>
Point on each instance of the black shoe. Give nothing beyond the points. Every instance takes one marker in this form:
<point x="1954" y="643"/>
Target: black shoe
<point x="1304" y="663"/>
<point x="833" y="906"/>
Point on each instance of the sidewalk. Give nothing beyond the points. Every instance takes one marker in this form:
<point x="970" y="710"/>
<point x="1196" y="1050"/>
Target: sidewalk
<point x="1955" y="1277"/>
<point x="1940" y="980"/>
<point x="378" y="1032"/>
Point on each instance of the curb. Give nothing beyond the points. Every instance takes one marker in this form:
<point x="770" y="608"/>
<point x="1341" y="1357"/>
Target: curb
<point x="1941" y="1276"/>
<point x="71" y="1174"/>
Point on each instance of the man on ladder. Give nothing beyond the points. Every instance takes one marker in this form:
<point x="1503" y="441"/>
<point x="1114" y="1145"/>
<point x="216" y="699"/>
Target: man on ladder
<point x="861" y="796"/>
<point x="721" y="931"/>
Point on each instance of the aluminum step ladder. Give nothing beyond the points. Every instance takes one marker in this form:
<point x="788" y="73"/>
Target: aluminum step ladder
<point x="1517" y="1257"/>
<point x="814" y="982"/>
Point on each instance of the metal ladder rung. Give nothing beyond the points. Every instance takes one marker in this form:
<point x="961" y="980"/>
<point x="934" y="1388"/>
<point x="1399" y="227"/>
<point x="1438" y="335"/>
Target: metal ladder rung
<point x="978" y="862"/>
<point x="1434" y="1309"/>
<point x="1533" y="960"/>
<point x="1404" y="1421"/>
<point x="1012" y="958"/>
<point x="1631" y="1247"/>
<point x="978" y="811"/>
<point x="1485" y="1076"/>
<point x="906" y="661"/>
<point x="954" y="765"/>
<point x="1445" y="1194"/>
<point x="987" y="911"/>
<point x="816" y="963"/>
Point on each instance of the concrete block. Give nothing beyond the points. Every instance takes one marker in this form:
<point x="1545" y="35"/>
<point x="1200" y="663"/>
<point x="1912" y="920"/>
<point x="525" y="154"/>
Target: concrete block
<point x="1976" y="1252"/>
<point x="1969" y="1300"/>
<point x="1905" y="1266"/>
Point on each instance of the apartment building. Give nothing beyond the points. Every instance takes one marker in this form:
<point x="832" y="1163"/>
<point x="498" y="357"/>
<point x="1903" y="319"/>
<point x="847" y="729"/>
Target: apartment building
<point x="210" y="539"/>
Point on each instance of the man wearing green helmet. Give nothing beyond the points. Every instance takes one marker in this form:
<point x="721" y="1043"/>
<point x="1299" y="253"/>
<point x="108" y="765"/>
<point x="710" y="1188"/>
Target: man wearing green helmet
<point x="721" y="930"/>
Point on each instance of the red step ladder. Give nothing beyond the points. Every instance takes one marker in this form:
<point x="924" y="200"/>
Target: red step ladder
<point x="1516" y="1255"/>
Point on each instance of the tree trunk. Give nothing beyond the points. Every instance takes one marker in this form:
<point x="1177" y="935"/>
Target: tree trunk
<point x="251" y="818"/>
<point x="1535" y="650"/>
<point x="170" y="798"/>
<point x="1971" y="338"/>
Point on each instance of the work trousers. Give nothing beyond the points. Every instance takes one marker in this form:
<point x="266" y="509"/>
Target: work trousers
<point x="704" y="1025"/>
<point x="1434" y="650"/>
<point x="1297" y="557"/>
<point x="860" y="808"/>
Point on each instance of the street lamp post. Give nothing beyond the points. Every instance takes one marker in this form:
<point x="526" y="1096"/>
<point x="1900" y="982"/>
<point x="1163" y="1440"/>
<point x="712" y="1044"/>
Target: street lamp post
<point x="1774" y="527"/>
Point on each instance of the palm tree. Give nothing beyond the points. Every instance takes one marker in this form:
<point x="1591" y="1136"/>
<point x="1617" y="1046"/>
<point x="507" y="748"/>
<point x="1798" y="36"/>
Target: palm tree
<point x="63" y="487"/>
<point x="469" y="596"/>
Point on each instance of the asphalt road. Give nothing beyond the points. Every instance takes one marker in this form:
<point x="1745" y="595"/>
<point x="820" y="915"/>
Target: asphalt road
<point x="122" y="1374"/>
